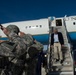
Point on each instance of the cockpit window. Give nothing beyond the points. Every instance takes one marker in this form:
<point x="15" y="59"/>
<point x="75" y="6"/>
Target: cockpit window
<point x="29" y="26"/>
<point x="36" y="25"/>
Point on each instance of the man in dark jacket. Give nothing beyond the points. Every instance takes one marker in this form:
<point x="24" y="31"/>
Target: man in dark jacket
<point x="56" y="42"/>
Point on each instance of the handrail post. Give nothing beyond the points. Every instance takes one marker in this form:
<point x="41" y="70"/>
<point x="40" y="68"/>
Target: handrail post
<point x="49" y="62"/>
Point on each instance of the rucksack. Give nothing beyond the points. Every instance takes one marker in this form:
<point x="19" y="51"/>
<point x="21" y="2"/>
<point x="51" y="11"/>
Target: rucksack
<point x="29" y="39"/>
<point x="6" y="48"/>
<point x="37" y="45"/>
<point x="35" y="49"/>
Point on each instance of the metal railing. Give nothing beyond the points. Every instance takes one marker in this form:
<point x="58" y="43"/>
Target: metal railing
<point x="49" y="52"/>
<point x="73" y="54"/>
<point x="70" y="45"/>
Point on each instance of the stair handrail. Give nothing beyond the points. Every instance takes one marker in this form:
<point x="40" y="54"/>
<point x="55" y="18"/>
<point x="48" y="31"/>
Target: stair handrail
<point x="69" y="41"/>
<point x="67" y="33"/>
<point x="49" y="52"/>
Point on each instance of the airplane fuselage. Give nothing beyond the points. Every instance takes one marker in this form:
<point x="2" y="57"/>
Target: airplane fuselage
<point x="40" y="28"/>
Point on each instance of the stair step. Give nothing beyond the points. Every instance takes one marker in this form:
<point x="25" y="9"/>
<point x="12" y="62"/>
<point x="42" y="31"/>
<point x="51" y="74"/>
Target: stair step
<point x="64" y="64"/>
<point x="61" y="73"/>
<point x="67" y="52"/>
<point x="67" y="55"/>
<point x="66" y="69"/>
<point x="67" y="59"/>
<point x="65" y="49"/>
<point x="65" y="41"/>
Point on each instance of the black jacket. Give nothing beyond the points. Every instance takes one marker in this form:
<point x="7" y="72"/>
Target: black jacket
<point x="60" y="36"/>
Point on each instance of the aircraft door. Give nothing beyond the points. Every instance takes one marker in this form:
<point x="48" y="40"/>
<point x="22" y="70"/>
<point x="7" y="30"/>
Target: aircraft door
<point x="59" y="22"/>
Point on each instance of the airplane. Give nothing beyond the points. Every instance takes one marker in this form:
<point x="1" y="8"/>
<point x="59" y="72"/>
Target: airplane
<point x="40" y="28"/>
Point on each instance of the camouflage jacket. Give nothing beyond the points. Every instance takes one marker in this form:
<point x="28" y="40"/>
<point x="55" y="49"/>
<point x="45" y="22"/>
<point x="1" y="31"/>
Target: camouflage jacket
<point x="6" y="49"/>
<point x="21" y="44"/>
<point x="29" y="39"/>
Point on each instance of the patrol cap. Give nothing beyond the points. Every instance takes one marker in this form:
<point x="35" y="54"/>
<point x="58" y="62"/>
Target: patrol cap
<point x="13" y="28"/>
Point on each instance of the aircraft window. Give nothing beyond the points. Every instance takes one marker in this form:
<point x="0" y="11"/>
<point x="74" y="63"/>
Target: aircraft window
<point x="40" y="26"/>
<point x="36" y="25"/>
<point x="74" y="23"/>
<point x="26" y="27"/>
<point x="29" y="26"/>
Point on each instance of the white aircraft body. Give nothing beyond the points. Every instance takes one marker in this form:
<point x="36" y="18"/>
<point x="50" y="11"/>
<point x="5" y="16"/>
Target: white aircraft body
<point x="40" y="28"/>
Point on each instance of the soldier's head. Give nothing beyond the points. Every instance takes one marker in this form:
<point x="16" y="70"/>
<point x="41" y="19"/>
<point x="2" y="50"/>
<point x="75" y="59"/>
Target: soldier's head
<point x="13" y="28"/>
<point x="55" y="30"/>
<point x="5" y="30"/>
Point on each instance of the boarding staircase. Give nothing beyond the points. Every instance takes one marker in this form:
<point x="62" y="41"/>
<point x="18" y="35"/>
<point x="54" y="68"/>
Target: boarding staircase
<point x="56" y="68"/>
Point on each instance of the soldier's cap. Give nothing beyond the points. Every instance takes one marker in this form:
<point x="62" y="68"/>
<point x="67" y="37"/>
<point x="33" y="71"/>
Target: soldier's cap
<point x="13" y="28"/>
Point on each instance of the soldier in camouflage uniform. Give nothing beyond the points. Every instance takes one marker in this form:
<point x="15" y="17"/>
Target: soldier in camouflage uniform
<point x="18" y="52"/>
<point x="34" y="50"/>
<point x="22" y="42"/>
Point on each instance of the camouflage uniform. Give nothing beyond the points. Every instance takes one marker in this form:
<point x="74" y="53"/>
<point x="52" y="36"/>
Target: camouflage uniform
<point x="35" y="52"/>
<point x="34" y="48"/>
<point x="15" y="38"/>
<point x="21" y="46"/>
<point x="28" y="45"/>
<point x="5" y="52"/>
<point x="17" y="52"/>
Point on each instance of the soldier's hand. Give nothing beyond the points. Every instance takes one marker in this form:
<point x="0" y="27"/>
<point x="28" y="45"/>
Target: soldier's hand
<point x="1" y="41"/>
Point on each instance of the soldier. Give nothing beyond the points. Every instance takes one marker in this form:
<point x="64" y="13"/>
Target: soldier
<point x="18" y="52"/>
<point x="34" y="51"/>
<point x="22" y="43"/>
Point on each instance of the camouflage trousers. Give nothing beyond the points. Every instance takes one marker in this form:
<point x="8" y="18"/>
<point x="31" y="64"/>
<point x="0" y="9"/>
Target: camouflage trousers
<point x="30" y="67"/>
<point x="13" y="69"/>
